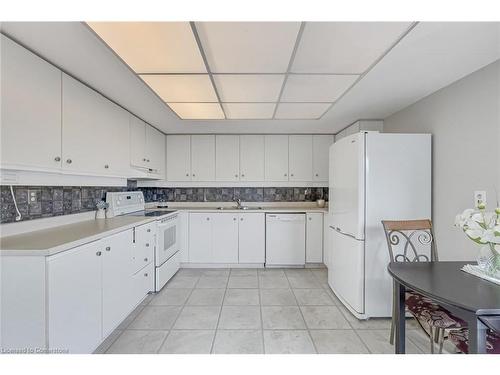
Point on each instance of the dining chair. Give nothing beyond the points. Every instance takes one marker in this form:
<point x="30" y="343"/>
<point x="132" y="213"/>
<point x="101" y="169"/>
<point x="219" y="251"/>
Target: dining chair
<point x="414" y="241"/>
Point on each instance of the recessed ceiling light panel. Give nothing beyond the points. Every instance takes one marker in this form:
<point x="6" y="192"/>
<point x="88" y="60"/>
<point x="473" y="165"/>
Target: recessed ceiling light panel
<point x="316" y="88"/>
<point x="153" y="47"/>
<point x="241" y="111"/>
<point x="182" y="88"/>
<point x="249" y="87"/>
<point x="198" y="111"/>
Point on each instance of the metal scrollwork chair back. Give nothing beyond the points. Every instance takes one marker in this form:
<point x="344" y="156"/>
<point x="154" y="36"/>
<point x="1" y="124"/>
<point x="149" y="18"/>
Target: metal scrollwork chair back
<point x="410" y="240"/>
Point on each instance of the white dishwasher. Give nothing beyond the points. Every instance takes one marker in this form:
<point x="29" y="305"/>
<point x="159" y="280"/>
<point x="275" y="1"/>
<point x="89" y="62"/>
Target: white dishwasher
<point x="285" y="239"/>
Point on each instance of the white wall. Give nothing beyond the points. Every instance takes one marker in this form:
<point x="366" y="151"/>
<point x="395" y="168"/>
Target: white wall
<point x="464" y="119"/>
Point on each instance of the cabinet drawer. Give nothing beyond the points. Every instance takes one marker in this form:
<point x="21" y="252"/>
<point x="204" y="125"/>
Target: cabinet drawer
<point x="142" y="283"/>
<point x="143" y="249"/>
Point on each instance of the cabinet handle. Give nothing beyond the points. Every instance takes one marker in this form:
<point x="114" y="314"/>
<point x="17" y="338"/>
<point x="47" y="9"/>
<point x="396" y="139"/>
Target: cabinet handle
<point x="285" y="174"/>
<point x="291" y="175"/>
<point x="144" y="159"/>
<point x="310" y="219"/>
<point x="236" y="175"/>
<point x="241" y="219"/>
<point x="147" y="245"/>
<point x="145" y="259"/>
<point x="147" y="160"/>
<point x="193" y="174"/>
<point x="242" y="175"/>
<point x="106" y="166"/>
<point x="234" y="219"/>
<point x="57" y="158"/>
<point x="69" y="161"/>
<point x="108" y="248"/>
<point x="317" y="174"/>
<point x="145" y="275"/>
<point x="98" y="253"/>
<point x="187" y="174"/>
<point x="208" y="219"/>
<point x="149" y="230"/>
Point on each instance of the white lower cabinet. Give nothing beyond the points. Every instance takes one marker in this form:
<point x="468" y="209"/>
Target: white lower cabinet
<point x="116" y="280"/>
<point x="252" y="238"/>
<point x="143" y="247"/>
<point x="91" y="289"/>
<point x="75" y="299"/>
<point x="200" y="238"/>
<point x="183" y="237"/>
<point x="225" y="238"/>
<point x="314" y="237"/>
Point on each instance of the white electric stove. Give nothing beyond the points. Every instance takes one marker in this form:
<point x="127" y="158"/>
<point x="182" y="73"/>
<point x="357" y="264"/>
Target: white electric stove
<point x="167" y="256"/>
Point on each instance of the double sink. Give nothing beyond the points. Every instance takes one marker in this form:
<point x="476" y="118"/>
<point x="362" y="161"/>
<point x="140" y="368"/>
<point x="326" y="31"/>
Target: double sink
<point x="243" y="208"/>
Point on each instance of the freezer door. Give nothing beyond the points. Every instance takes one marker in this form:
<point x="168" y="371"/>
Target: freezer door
<point x="347" y="183"/>
<point x="346" y="272"/>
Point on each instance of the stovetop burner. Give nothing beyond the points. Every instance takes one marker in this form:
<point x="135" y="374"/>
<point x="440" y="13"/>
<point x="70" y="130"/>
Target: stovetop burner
<point x="157" y="213"/>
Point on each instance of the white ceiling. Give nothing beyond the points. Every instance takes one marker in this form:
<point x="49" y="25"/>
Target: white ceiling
<point x="429" y="57"/>
<point x="250" y="62"/>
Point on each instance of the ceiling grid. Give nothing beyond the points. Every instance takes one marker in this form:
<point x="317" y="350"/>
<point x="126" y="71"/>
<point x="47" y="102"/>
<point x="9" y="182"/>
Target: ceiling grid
<point x="251" y="70"/>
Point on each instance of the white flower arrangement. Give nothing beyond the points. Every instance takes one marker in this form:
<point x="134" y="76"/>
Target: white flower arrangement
<point x="481" y="226"/>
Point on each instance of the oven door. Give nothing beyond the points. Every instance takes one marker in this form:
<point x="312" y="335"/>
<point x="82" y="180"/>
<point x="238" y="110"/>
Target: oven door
<point x="166" y="239"/>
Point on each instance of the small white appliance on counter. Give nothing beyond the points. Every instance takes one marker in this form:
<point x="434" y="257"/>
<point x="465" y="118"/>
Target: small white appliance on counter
<point x="373" y="177"/>
<point x="167" y="256"/>
<point x="285" y="239"/>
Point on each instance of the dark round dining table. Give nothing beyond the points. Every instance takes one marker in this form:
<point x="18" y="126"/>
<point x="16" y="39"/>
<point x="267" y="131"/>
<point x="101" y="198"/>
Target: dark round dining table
<point x="475" y="300"/>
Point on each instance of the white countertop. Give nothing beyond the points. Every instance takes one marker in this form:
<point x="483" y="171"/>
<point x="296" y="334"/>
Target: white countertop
<point x="59" y="238"/>
<point x="64" y="237"/>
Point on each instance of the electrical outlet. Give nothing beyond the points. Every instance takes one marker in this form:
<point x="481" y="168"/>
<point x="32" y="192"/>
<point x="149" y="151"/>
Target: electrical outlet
<point x="480" y="199"/>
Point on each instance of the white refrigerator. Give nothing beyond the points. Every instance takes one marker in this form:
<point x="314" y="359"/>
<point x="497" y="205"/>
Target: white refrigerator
<point x="373" y="176"/>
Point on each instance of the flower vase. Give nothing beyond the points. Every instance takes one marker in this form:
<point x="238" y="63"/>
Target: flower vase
<point x="488" y="260"/>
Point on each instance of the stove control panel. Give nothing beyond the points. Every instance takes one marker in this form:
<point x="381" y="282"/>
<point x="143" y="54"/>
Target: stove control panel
<point x="121" y="203"/>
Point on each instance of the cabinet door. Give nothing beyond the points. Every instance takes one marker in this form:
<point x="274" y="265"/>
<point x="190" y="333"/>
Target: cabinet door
<point x="314" y="237"/>
<point x="84" y="122"/>
<point x="116" y="134"/>
<point x="227" y="157"/>
<point x="155" y="150"/>
<point x="74" y="295"/>
<point x="203" y="158"/>
<point x="321" y="145"/>
<point x="30" y="110"/>
<point x="252" y="241"/>
<point x="251" y="158"/>
<point x="116" y="280"/>
<point x="225" y="238"/>
<point x="276" y="157"/>
<point x="300" y="154"/>
<point x="178" y="158"/>
<point x="200" y="238"/>
<point x="137" y="142"/>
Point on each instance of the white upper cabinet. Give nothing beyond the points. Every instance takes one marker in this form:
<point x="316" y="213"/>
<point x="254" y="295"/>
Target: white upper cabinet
<point x="155" y="151"/>
<point x="276" y="157"/>
<point x="300" y="157"/>
<point x="178" y="158"/>
<point x="227" y="157"/>
<point x="203" y="157"/>
<point x="95" y="132"/>
<point x="137" y="142"/>
<point x="321" y="146"/>
<point x="30" y="110"/>
<point x="251" y="158"/>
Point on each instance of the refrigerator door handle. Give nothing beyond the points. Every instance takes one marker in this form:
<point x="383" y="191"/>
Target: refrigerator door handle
<point x="345" y="234"/>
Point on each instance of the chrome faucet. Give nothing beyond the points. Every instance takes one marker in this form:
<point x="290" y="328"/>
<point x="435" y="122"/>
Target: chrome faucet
<point x="238" y="202"/>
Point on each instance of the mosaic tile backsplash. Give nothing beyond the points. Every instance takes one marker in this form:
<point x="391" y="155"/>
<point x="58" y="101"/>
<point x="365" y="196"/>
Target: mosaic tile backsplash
<point x="36" y="202"/>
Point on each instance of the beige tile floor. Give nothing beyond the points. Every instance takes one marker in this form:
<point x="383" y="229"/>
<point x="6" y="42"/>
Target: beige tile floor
<point x="252" y="311"/>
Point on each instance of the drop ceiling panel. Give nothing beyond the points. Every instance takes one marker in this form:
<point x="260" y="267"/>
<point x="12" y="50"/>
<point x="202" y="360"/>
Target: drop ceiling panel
<point x="249" y="87"/>
<point x="240" y="111"/>
<point x="344" y="47"/>
<point x="153" y="47"/>
<point x="182" y="87"/>
<point x="248" y="47"/>
<point x="316" y="88"/>
<point x="198" y="111"/>
<point x="303" y="111"/>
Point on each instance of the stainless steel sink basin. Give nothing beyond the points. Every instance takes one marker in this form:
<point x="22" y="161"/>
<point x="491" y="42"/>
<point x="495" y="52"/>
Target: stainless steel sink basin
<point x="239" y="208"/>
